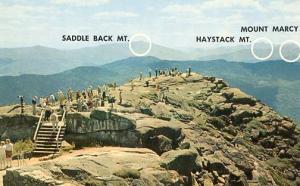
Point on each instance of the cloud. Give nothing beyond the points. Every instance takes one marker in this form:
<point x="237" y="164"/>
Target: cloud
<point x="24" y="11"/>
<point x="115" y="14"/>
<point x="285" y="7"/>
<point x="81" y="3"/>
<point x="182" y="9"/>
<point x="212" y="5"/>
<point x="246" y="4"/>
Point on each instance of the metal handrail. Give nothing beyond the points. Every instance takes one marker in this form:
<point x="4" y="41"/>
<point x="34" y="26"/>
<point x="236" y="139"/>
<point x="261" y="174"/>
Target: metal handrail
<point x="38" y="125"/>
<point x="59" y="129"/>
<point x="58" y="133"/>
<point x="63" y="116"/>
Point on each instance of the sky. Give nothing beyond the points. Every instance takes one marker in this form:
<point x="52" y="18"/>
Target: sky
<point x="173" y="23"/>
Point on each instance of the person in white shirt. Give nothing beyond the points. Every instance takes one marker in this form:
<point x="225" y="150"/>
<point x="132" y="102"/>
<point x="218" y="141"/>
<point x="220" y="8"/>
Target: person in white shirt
<point x="8" y="151"/>
<point x="54" y="121"/>
<point x="2" y="155"/>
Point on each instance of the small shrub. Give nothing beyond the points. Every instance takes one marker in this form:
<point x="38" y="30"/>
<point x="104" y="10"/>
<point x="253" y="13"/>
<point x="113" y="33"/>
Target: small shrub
<point x="23" y="146"/>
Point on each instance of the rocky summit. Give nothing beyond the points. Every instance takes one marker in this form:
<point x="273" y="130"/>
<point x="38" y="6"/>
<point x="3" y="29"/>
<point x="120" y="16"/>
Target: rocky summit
<point x="171" y="130"/>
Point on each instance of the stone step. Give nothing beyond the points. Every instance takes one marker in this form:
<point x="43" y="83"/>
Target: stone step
<point x="44" y="152"/>
<point x="50" y="128"/>
<point x="48" y="124"/>
<point x="46" y="149"/>
<point x="50" y="132"/>
<point x="50" y="151"/>
<point x="46" y="142"/>
<point x="49" y="135"/>
<point x="49" y="138"/>
<point x="47" y="145"/>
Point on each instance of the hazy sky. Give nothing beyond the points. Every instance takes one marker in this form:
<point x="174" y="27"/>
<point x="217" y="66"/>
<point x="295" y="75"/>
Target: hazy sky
<point x="170" y="23"/>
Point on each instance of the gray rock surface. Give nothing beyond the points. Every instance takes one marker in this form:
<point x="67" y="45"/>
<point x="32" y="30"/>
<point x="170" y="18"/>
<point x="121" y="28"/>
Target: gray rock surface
<point x="107" y="166"/>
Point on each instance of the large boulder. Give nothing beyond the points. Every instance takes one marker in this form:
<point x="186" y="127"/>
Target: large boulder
<point x="109" y="166"/>
<point x="161" y="144"/>
<point x="159" y="135"/>
<point x="236" y="96"/>
<point x="17" y="126"/>
<point x="175" y="159"/>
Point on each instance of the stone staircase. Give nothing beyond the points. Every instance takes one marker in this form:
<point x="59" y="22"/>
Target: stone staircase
<point x="46" y="141"/>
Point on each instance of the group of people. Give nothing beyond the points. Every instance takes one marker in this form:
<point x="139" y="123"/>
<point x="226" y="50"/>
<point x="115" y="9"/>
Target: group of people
<point x="167" y="72"/>
<point x="86" y="100"/>
<point x="161" y="90"/>
<point x="90" y="98"/>
<point x="6" y="151"/>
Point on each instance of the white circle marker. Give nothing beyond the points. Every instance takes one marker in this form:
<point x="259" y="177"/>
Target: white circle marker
<point x="140" y="35"/>
<point x="258" y="40"/>
<point x="280" y="51"/>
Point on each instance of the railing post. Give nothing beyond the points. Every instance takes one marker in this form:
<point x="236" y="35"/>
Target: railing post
<point x="38" y="125"/>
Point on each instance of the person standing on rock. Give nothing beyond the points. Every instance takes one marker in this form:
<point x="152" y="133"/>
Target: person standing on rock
<point x="47" y="100"/>
<point x="78" y="95"/>
<point x="79" y="105"/>
<point x="111" y="100"/>
<point x="175" y="71"/>
<point x="90" y="104"/>
<point x="68" y="105"/>
<point x="2" y="155"/>
<point x="8" y="152"/>
<point x="115" y="85"/>
<point x="99" y="91"/>
<point x="34" y="102"/>
<point x="47" y="112"/>
<point x="141" y="76"/>
<point x="61" y="98"/>
<point x="132" y="85"/>
<point x="147" y="83"/>
<point x="52" y="99"/>
<point x="190" y="71"/>
<point x="120" y="97"/>
<point x="41" y="102"/>
<point x="103" y="97"/>
<point x="84" y="94"/>
<point x="70" y="95"/>
<point x="90" y="92"/>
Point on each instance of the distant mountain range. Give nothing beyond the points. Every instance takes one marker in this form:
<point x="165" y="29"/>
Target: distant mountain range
<point x="243" y="53"/>
<point x="44" y="61"/>
<point x="276" y="83"/>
